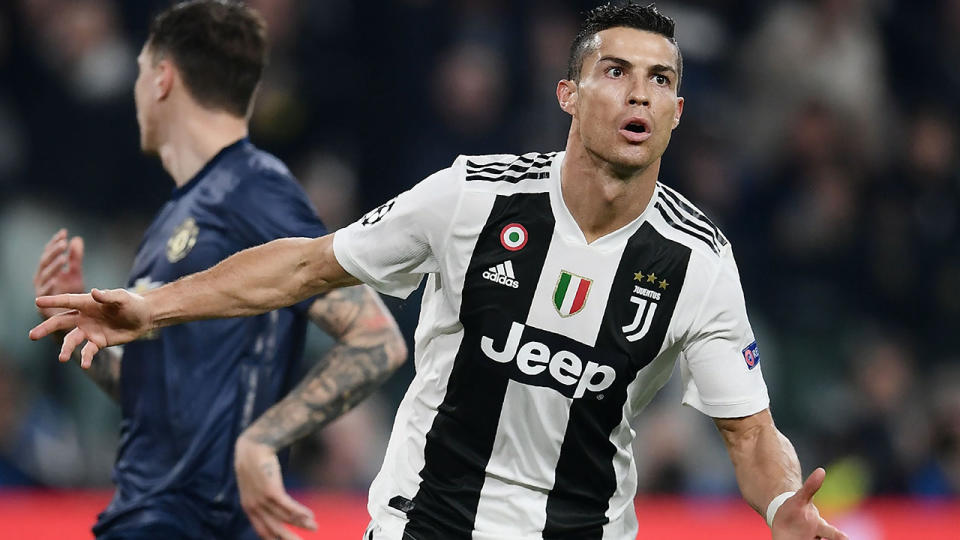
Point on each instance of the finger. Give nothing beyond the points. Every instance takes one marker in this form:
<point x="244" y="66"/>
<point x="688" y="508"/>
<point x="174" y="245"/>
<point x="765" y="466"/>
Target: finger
<point x="46" y="288"/>
<point x="76" y="251"/>
<point x="49" y="253"/>
<point x="58" y="323"/>
<point x="109" y="296"/>
<point x="72" y="340"/>
<point x="45" y="273"/>
<point x="829" y="532"/>
<point x="276" y="529"/>
<point x="87" y="354"/>
<point x="258" y="524"/>
<point x="813" y="483"/>
<point x="66" y="301"/>
<point x="294" y="513"/>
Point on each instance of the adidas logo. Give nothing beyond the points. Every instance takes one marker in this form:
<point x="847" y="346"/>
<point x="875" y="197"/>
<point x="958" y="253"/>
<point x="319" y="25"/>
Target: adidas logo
<point x="502" y="274"/>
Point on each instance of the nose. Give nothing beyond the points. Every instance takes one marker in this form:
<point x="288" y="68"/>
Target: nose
<point x="638" y="95"/>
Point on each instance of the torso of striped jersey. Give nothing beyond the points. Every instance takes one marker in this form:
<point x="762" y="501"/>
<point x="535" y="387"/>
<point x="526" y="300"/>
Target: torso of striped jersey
<point x="554" y="333"/>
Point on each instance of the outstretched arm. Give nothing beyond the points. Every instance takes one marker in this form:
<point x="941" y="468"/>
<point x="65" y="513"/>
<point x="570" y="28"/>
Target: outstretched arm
<point x="766" y="466"/>
<point x="256" y="280"/>
<point x="369" y="349"/>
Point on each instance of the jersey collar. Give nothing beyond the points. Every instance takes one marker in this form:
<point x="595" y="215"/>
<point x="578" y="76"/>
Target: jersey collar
<point x="180" y="191"/>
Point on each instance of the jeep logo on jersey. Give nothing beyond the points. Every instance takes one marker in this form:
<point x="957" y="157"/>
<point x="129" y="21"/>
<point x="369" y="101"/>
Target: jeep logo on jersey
<point x="571" y="293"/>
<point x="642" y="320"/>
<point x="513" y="237"/>
<point x="533" y="358"/>
<point x="375" y="215"/>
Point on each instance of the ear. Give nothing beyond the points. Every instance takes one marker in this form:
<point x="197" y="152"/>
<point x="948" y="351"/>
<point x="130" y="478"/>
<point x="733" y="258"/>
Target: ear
<point x="163" y="79"/>
<point x="678" y="113"/>
<point x="567" y="96"/>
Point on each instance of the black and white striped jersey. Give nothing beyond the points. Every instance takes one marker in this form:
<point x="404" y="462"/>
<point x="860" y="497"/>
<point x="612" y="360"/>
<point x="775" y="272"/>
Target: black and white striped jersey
<point x="534" y="349"/>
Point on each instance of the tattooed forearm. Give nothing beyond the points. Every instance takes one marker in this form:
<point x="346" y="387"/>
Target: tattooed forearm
<point x="105" y="371"/>
<point x="368" y="351"/>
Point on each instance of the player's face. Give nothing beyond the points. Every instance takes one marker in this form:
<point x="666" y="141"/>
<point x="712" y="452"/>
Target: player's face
<point x="625" y="104"/>
<point x="142" y="98"/>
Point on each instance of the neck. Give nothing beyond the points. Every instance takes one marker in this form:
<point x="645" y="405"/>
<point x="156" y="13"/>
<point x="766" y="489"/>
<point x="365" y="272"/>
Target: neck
<point x="600" y="196"/>
<point x="195" y="138"/>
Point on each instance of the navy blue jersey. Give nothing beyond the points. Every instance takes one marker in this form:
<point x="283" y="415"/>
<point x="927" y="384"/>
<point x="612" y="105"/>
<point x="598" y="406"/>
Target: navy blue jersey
<point x="188" y="391"/>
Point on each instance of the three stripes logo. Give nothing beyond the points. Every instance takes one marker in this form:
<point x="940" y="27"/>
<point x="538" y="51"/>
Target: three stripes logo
<point x="502" y="274"/>
<point x="571" y="293"/>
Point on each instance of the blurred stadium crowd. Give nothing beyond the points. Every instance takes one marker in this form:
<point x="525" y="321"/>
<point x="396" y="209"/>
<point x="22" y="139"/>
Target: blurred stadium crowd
<point x="822" y="135"/>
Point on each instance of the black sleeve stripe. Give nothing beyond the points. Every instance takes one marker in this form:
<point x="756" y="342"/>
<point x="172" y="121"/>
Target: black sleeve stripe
<point x="681" y="228"/>
<point x="501" y="169"/>
<point x="687" y="220"/>
<point x="670" y="192"/>
<point x="534" y="175"/>
<point x="522" y="168"/>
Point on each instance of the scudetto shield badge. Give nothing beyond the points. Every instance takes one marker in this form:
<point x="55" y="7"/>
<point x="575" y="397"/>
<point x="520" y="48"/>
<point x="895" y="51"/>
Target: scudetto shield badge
<point x="182" y="240"/>
<point x="571" y="293"/>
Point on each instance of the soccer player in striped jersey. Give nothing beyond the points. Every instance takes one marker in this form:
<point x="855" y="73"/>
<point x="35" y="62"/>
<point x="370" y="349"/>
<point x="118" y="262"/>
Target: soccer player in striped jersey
<point x="561" y="291"/>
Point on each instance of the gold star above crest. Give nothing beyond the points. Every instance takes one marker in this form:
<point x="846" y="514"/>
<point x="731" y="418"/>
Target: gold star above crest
<point x="638" y="277"/>
<point x="663" y="284"/>
<point x="651" y="278"/>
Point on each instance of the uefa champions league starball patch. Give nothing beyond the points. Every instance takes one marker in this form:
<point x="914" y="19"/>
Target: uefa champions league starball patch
<point x="751" y="355"/>
<point x="513" y="237"/>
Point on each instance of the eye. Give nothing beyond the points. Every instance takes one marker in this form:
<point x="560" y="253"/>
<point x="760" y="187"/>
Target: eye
<point x="661" y="79"/>
<point x="615" y="72"/>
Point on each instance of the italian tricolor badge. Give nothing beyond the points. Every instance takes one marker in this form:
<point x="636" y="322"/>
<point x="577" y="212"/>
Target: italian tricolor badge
<point x="571" y="293"/>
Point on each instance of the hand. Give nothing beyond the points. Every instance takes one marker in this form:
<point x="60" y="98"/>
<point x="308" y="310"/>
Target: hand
<point x="799" y="519"/>
<point x="60" y="269"/>
<point x="262" y="495"/>
<point x="102" y="318"/>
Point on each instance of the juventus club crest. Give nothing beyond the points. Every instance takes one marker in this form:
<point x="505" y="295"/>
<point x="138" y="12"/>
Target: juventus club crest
<point x="646" y="301"/>
<point x="571" y="293"/>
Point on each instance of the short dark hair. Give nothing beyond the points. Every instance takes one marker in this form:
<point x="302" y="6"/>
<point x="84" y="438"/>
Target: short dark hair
<point x="219" y="47"/>
<point x="628" y="15"/>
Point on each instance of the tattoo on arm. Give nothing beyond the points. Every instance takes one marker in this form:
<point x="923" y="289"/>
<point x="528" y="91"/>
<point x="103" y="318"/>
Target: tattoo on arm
<point x="105" y="371"/>
<point x="369" y="349"/>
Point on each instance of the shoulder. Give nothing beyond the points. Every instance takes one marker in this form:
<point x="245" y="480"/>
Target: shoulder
<point x="675" y="217"/>
<point x="258" y="177"/>
<point x="497" y="172"/>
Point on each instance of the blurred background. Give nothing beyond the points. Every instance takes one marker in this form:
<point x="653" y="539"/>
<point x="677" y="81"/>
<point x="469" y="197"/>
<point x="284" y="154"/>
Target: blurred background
<point x="821" y="135"/>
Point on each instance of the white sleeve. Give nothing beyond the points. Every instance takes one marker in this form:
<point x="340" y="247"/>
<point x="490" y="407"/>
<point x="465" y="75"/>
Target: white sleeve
<point x="720" y="362"/>
<point x="394" y="245"/>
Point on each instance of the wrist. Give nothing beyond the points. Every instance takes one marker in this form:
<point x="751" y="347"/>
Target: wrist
<point x="775" y="505"/>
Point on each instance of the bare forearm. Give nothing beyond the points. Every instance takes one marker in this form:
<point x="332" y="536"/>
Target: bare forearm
<point x="253" y="281"/>
<point x="349" y="374"/>
<point x="766" y="465"/>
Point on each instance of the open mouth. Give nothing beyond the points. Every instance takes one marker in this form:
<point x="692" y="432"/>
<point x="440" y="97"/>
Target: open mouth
<point x="636" y="127"/>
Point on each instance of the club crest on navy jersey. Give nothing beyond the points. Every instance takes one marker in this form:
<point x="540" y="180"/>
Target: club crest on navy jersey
<point x="182" y="240"/>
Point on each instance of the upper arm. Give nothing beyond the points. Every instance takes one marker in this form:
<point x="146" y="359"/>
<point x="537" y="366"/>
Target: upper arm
<point x="736" y="430"/>
<point x="718" y="378"/>
<point x="394" y="245"/>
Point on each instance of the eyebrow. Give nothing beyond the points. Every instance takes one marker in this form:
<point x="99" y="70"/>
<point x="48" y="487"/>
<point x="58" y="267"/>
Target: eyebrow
<point x="656" y="68"/>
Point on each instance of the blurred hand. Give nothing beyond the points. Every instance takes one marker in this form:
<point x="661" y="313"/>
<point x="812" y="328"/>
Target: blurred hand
<point x="262" y="495"/>
<point x="60" y="269"/>
<point x="799" y="519"/>
<point x="101" y="318"/>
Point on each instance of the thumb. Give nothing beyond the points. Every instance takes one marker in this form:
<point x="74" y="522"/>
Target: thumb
<point x="812" y="484"/>
<point x="76" y="250"/>
<point x="110" y="296"/>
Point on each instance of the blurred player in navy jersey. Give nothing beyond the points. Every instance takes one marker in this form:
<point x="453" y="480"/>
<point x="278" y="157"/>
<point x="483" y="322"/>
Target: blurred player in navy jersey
<point x="187" y="393"/>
